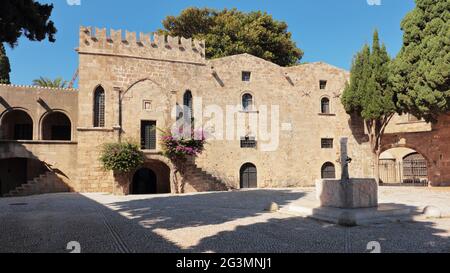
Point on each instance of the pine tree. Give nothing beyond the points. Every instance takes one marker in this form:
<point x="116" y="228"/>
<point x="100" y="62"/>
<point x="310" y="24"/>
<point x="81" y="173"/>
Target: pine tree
<point x="5" y="68"/>
<point x="369" y="94"/>
<point x="421" y="71"/>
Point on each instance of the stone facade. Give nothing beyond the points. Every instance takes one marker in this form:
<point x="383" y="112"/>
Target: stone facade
<point x="146" y="77"/>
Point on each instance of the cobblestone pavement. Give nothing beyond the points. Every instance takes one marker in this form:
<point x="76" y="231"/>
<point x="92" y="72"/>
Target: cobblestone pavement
<point x="209" y="222"/>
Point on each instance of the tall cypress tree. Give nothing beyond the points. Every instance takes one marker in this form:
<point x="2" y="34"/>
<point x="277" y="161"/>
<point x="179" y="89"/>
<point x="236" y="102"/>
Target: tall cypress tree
<point x="421" y="71"/>
<point x="5" y="68"/>
<point x="369" y="94"/>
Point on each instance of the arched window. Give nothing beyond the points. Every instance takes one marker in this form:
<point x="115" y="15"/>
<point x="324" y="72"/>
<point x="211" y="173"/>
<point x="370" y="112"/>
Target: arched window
<point x="328" y="171"/>
<point x="248" y="176"/>
<point x="247" y="102"/>
<point x="16" y="125"/>
<point x="188" y="102"/>
<point x="325" y="106"/>
<point x="99" y="107"/>
<point x="56" y="126"/>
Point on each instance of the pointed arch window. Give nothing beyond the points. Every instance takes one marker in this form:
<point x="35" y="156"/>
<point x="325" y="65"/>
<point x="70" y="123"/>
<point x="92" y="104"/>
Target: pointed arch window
<point x="188" y="102"/>
<point x="99" y="107"/>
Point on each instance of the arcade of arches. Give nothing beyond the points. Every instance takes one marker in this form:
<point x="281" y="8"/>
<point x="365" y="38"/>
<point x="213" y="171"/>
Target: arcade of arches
<point x="18" y="125"/>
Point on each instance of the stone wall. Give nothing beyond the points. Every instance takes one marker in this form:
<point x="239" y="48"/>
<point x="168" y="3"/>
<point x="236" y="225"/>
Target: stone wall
<point x="146" y="77"/>
<point x="433" y="145"/>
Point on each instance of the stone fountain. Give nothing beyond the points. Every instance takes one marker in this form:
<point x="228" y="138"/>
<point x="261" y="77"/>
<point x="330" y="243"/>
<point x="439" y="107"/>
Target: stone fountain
<point x="347" y="193"/>
<point x="350" y="201"/>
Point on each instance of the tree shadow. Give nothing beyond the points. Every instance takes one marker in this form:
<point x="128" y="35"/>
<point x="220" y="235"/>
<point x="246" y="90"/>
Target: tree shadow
<point x="223" y="206"/>
<point x="302" y="235"/>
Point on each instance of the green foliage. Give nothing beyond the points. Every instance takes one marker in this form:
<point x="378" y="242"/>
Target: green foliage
<point x="369" y="93"/>
<point x="46" y="82"/>
<point x="25" y="17"/>
<point x="231" y="32"/>
<point x="5" y="68"/>
<point x="121" y="157"/>
<point x="421" y="71"/>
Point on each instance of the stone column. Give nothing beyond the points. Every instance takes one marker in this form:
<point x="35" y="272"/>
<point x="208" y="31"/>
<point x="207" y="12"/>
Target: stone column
<point x="345" y="176"/>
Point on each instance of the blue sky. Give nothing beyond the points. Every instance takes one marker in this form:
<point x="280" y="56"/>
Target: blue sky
<point x="326" y="30"/>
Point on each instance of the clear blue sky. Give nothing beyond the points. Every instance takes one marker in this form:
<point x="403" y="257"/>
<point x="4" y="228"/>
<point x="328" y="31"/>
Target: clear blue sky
<point x="327" y="30"/>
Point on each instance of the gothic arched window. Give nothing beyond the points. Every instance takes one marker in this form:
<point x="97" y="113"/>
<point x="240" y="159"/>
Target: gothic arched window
<point x="99" y="107"/>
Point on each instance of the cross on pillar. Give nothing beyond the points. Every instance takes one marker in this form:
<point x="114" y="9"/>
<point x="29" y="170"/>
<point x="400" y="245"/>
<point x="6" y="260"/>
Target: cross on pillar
<point x="345" y="160"/>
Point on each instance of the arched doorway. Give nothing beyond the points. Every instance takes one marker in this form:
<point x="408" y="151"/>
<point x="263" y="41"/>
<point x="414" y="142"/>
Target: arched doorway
<point x="56" y="126"/>
<point x="248" y="176"/>
<point x="144" y="182"/>
<point x="403" y="166"/>
<point x="16" y="125"/>
<point x="328" y="171"/>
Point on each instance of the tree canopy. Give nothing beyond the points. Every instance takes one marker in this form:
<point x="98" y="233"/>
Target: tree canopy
<point x="231" y="32"/>
<point x="25" y="17"/>
<point x="369" y="94"/>
<point x="5" y="68"/>
<point x="421" y="71"/>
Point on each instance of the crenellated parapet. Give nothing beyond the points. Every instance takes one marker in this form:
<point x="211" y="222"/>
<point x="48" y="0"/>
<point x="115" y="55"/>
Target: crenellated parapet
<point x="142" y="45"/>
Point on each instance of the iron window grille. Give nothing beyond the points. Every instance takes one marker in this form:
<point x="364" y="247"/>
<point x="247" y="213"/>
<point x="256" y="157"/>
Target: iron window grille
<point x="327" y="143"/>
<point x="248" y="142"/>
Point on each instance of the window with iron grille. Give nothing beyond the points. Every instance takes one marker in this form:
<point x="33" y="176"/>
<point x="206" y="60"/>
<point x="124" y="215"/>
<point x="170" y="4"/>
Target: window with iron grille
<point x="323" y="84"/>
<point x="327" y="143"/>
<point x="248" y="142"/>
<point x="328" y="171"/>
<point x="246" y="76"/>
<point x="148" y="135"/>
<point x="99" y="107"/>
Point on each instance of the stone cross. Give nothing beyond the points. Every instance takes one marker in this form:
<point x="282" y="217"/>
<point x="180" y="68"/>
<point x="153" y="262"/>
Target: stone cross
<point x="344" y="160"/>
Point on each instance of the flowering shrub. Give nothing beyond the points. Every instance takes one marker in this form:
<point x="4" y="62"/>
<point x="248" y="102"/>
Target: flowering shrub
<point x="121" y="157"/>
<point x="180" y="147"/>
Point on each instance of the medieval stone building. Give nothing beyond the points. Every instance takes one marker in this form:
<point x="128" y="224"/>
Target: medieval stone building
<point x="268" y="126"/>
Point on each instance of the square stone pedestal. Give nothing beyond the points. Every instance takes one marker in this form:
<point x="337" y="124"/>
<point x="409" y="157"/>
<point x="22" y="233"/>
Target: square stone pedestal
<point x="351" y="203"/>
<point x="351" y="194"/>
<point x="384" y="213"/>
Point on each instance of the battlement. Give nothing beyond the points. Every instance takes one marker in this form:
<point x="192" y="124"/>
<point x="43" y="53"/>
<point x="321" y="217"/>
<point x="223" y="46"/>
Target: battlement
<point x="144" y="45"/>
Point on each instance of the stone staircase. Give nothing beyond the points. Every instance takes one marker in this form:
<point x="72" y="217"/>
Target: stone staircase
<point x="198" y="180"/>
<point x="49" y="182"/>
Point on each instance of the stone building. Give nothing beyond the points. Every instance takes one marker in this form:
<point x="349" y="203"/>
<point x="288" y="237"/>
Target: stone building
<point x="267" y="126"/>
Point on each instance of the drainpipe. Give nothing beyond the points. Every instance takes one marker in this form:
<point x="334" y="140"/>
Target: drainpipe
<point x="118" y="127"/>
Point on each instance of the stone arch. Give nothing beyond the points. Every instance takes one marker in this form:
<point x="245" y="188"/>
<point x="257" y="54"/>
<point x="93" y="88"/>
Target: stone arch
<point x="140" y="81"/>
<point x="397" y="166"/>
<point x="418" y="149"/>
<point x="16" y="124"/>
<point x="154" y="177"/>
<point x="56" y="117"/>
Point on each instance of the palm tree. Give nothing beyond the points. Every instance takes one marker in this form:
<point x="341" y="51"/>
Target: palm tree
<point x="46" y="82"/>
